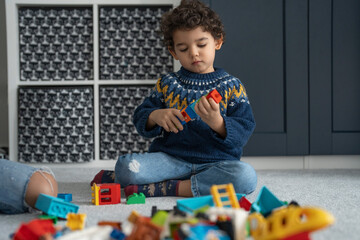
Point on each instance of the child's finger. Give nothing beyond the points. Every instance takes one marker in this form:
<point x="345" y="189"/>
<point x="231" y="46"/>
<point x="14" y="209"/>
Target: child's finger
<point x="202" y="106"/>
<point x="176" y="123"/>
<point x="166" y="127"/>
<point x="173" y="127"/>
<point x="213" y="104"/>
<point x="179" y="115"/>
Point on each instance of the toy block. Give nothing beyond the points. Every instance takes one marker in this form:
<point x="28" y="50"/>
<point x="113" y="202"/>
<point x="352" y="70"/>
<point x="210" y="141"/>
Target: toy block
<point x="203" y="231"/>
<point x="245" y="204"/>
<point x="225" y="197"/>
<point x="116" y="225"/>
<point x="238" y="218"/>
<point x="117" y="235"/>
<point x="103" y="194"/>
<point x="190" y="205"/>
<point x="144" y="229"/>
<point x="76" y="221"/>
<point x="214" y="94"/>
<point x="190" y="110"/>
<point x="133" y="217"/>
<point x="187" y="118"/>
<point x="159" y="218"/>
<point x="55" y="206"/>
<point x="265" y="202"/>
<point x="66" y="196"/>
<point x="291" y="222"/>
<point x="34" y="229"/>
<point x="53" y="218"/>
<point x="136" y="198"/>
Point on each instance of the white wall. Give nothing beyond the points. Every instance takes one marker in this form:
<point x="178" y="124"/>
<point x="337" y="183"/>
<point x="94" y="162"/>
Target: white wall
<point x="3" y="79"/>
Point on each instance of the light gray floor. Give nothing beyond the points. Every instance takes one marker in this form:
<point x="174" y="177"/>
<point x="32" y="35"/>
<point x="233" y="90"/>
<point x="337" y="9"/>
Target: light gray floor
<point x="337" y="191"/>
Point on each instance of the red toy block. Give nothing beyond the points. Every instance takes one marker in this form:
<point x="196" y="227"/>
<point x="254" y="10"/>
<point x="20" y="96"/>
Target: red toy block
<point x="299" y="236"/>
<point x="34" y="229"/>
<point x="244" y="203"/>
<point x="214" y="94"/>
<point x="107" y="193"/>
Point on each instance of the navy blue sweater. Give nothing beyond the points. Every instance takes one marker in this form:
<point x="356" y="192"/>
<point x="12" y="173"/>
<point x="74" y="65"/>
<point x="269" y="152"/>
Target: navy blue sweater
<point x="198" y="143"/>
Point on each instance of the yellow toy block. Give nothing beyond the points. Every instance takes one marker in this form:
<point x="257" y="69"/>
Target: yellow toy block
<point x="289" y="222"/>
<point x="224" y="195"/>
<point x="75" y="221"/>
<point x="95" y="194"/>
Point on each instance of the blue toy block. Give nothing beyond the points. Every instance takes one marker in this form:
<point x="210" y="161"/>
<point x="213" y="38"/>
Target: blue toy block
<point x="191" y="111"/>
<point x="201" y="231"/>
<point x="67" y="197"/>
<point x="55" y="206"/>
<point x="191" y="204"/>
<point x="117" y="234"/>
<point x="265" y="202"/>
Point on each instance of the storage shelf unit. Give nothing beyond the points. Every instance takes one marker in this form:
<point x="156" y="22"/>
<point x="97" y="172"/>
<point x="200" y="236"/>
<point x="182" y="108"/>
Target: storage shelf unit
<point x="76" y="72"/>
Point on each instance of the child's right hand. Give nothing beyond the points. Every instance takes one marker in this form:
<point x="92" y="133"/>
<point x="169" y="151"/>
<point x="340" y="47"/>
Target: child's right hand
<point x="167" y="119"/>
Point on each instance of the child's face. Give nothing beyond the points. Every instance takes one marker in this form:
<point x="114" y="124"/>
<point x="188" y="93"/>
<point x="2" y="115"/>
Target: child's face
<point x="195" y="49"/>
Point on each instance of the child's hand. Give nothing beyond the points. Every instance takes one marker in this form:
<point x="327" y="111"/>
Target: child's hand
<point x="209" y="112"/>
<point x="167" y="119"/>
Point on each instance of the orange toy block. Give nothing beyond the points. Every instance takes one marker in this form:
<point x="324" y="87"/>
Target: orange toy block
<point x="214" y="94"/>
<point x="104" y="194"/>
<point x="185" y="115"/>
<point x="145" y="229"/>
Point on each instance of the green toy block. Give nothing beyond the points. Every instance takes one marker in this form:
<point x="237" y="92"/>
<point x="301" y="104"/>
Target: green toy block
<point x="136" y="198"/>
<point x="53" y="218"/>
<point x="159" y="218"/>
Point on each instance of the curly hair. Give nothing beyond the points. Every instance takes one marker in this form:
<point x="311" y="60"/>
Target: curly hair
<point x="189" y="15"/>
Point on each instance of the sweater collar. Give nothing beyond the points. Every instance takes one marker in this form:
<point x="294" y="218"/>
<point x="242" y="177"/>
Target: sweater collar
<point x="201" y="79"/>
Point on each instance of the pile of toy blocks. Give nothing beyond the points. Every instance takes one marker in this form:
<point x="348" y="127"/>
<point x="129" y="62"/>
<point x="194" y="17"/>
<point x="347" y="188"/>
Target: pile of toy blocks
<point x="223" y="215"/>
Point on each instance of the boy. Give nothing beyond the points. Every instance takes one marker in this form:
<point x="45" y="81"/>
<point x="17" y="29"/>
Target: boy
<point x="186" y="160"/>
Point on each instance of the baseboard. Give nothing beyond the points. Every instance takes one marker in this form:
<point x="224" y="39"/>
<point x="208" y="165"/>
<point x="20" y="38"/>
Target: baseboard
<point x="305" y="162"/>
<point x="259" y="163"/>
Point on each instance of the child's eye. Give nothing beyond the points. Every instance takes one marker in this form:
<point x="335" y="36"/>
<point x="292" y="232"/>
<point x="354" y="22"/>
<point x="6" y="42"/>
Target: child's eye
<point x="201" y="45"/>
<point x="183" y="50"/>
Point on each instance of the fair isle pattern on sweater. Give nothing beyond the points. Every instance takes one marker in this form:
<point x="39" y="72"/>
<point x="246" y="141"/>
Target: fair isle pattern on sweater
<point x="178" y="90"/>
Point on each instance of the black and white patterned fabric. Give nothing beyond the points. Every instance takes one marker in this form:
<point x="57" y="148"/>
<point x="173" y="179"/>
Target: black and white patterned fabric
<point x="56" y="44"/>
<point x="117" y="132"/>
<point x="55" y="124"/>
<point x="130" y="46"/>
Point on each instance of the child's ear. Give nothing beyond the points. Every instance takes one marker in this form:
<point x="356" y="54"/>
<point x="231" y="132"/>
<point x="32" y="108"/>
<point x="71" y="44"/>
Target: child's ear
<point x="172" y="52"/>
<point x="218" y="43"/>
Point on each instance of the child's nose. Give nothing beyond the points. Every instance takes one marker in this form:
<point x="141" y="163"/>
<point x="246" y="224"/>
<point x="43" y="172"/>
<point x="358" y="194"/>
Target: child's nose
<point x="194" y="52"/>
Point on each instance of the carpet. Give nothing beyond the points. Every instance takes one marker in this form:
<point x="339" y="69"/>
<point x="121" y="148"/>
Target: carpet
<point x="337" y="191"/>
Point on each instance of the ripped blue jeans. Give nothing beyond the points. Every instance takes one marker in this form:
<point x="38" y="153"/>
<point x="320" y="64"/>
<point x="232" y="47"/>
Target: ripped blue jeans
<point x="14" y="180"/>
<point x="145" y="168"/>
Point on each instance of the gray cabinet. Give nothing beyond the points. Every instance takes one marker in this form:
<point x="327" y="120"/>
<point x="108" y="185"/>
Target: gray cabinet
<point x="299" y="61"/>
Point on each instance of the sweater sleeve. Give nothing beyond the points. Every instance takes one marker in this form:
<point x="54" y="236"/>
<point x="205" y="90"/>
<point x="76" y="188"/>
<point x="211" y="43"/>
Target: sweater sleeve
<point x="154" y="101"/>
<point x="239" y="119"/>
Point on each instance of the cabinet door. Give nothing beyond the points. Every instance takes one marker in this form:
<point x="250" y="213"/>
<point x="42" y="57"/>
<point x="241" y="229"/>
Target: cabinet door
<point x="334" y="61"/>
<point x="266" y="48"/>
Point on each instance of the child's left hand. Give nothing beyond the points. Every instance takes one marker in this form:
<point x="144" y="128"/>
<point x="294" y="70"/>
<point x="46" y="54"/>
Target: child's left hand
<point x="209" y="112"/>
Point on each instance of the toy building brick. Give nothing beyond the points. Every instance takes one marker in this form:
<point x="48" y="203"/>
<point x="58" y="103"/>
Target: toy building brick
<point x="34" y="229"/>
<point x="136" y="199"/>
<point x="103" y="194"/>
<point x="55" y="206"/>
<point x="145" y="229"/>
<point x="214" y="94"/>
<point x="76" y="221"/>
<point x="245" y="203"/>
<point x="66" y="196"/>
